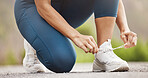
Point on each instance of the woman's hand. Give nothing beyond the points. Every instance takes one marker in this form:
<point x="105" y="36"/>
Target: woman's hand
<point x="130" y="38"/>
<point x="84" y="42"/>
<point x="127" y="36"/>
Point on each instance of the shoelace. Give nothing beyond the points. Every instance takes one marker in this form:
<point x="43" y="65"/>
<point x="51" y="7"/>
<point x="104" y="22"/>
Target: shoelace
<point x="111" y="49"/>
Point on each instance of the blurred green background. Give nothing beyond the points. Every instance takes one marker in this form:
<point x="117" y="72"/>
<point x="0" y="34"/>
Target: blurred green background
<point x="11" y="41"/>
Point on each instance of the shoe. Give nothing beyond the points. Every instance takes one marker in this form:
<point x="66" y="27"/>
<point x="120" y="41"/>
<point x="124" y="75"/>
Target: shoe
<point x="107" y="60"/>
<point x="30" y="61"/>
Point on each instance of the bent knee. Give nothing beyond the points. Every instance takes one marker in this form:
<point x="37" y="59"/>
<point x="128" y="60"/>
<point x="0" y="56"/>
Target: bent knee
<point x="65" y="64"/>
<point x="62" y="64"/>
<point x="62" y="69"/>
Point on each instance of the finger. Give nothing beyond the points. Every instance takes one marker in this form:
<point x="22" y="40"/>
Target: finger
<point x="134" y="41"/>
<point x="84" y="48"/>
<point x="129" y="41"/>
<point x="124" y="38"/>
<point x="129" y="36"/>
<point x="93" y="45"/>
<point x="96" y="49"/>
<point x="126" y="33"/>
<point x="90" y="51"/>
<point x="134" y="34"/>
<point x="89" y="47"/>
<point x="130" y="33"/>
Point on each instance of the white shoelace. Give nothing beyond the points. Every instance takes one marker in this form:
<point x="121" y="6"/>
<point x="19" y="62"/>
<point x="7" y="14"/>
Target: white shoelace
<point x="111" y="49"/>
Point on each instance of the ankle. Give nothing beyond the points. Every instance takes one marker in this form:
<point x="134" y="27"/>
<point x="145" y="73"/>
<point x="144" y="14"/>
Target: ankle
<point x="101" y="42"/>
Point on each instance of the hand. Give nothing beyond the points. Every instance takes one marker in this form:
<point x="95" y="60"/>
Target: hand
<point x="130" y="38"/>
<point x="84" y="42"/>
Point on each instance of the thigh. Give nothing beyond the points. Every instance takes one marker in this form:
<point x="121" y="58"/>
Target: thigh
<point x="106" y="8"/>
<point x="75" y="12"/>
<point x="53" y="48"/>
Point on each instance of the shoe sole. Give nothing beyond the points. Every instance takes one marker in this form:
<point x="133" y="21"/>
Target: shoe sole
<point x="99" y="68"/>
<point x="121" y="68"/>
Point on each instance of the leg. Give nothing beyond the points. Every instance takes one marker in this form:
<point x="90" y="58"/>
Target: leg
<point x="54" y="50"/>
<point x="105" y="16"/>
<point x="106" y="60"/>
<point x="104" y="27"/>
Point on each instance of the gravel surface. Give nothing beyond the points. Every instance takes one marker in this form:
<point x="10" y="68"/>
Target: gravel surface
<point x="137" y="70"/>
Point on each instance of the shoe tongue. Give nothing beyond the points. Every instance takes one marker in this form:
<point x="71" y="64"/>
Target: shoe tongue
<point x="106" y="43"/>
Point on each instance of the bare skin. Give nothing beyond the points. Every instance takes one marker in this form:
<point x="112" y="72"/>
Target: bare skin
<point x="47" y="12"/>
<point x="105" y="26"/>
<point x="127" y="36"/>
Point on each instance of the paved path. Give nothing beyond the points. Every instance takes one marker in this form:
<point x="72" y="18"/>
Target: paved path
<point x="80" y="70"/>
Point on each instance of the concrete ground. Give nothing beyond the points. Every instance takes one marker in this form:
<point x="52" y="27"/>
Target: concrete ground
<point x="80" y="70"/>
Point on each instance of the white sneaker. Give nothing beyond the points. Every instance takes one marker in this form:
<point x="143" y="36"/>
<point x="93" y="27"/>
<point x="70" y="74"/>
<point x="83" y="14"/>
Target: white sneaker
<point x="107" y="60"/>
<point x="30" y="61"/>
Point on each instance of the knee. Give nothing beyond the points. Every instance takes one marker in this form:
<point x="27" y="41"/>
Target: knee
<point x="62" y="64"/>
<point x="63" y="69"/>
